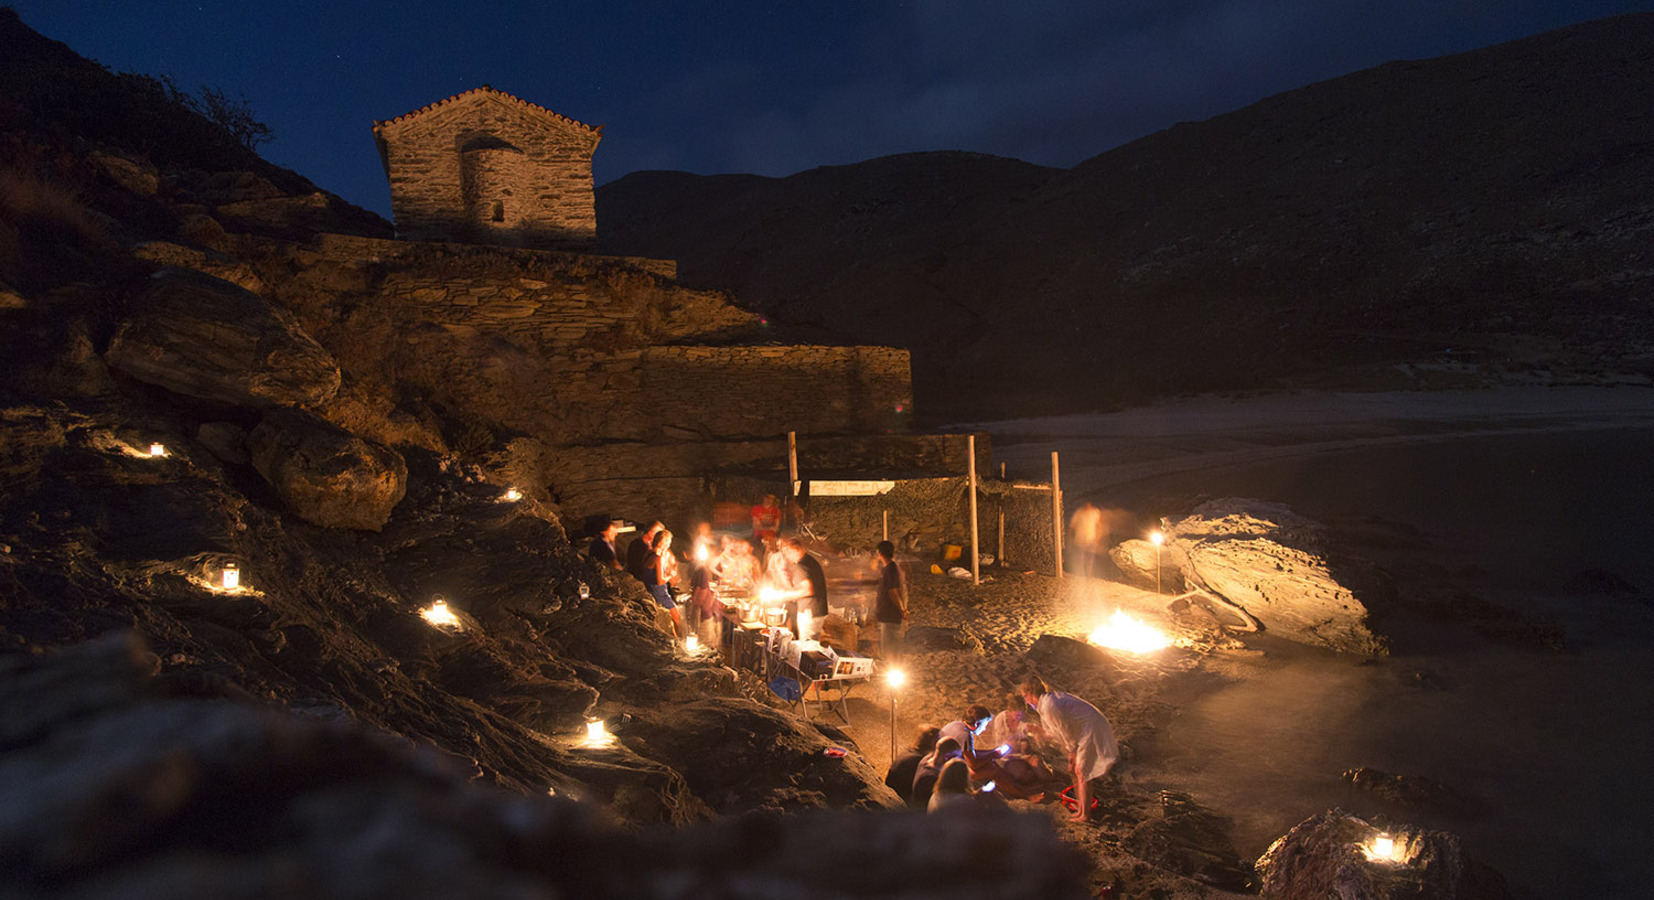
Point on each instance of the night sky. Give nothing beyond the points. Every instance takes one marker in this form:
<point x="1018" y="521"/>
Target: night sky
<point x="773" y="87"/>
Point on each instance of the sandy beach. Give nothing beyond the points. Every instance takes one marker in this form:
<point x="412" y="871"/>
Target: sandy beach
<point x="1473" y="492"/>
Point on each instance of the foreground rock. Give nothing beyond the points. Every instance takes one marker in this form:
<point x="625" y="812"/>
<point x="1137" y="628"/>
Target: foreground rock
<point x="1273" y="564"/>
<point x="326" y="475"/>
<point x="1327" y="856"/>
<point x="112" y="790"/>
<point x="202" y="337"/>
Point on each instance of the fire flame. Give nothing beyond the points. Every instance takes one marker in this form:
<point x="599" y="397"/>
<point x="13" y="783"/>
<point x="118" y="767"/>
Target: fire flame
<point x="768" y="595"/>
<point x="1122" y="632"/>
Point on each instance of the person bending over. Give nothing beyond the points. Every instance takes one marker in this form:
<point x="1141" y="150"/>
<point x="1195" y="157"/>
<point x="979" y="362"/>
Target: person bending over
<point x="905" y="767"/>
<point x="1084" y="733"/>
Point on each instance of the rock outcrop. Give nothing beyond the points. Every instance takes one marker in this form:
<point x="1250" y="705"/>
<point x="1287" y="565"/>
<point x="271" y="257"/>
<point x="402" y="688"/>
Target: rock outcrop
<point x="1272" y="563"/>
<point x="1145" y="565"/>
<point x="203" y="337"/>
<point x="326" y="475"/>
<point x="1329" y="855"/>
<point x="113" y="787"/>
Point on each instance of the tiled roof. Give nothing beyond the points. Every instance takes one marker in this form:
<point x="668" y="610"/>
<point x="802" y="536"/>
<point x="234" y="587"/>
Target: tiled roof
<point x="496" y="93"/>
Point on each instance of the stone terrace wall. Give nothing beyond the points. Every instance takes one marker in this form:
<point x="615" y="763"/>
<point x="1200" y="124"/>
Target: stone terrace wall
<point x="451" y="163"/>
<point x="604" y="356"/>
<point x="647" y="481"/>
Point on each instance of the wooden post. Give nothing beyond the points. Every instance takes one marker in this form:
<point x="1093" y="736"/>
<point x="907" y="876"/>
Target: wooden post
<point x="792" y="462"/>
<point x="976" y="562"/>
<point x="1001" y="556"/>
<point x="1056" y="509"/>
<point x="887" y="524"/>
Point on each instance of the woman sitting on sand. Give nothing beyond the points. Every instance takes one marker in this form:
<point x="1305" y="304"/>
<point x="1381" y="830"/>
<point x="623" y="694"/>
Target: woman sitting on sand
<point x="953" y="787"/>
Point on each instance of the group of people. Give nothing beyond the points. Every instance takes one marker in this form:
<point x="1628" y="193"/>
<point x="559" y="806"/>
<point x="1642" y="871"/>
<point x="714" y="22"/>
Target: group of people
<point x="987" y="757"/>
<point x="784" y="575"/>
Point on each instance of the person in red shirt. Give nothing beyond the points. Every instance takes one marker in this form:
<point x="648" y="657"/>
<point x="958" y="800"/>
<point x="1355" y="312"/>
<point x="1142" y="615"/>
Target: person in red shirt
<point x="766" y="518"/>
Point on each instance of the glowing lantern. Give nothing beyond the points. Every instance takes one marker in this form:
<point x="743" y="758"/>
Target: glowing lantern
<point x="232" y="577"/>
<point x="1122" y="632"/>
<point x="692" y="644"/>
<point x="895" y="678"/>
<point x="585" y="591"/>
<point x="157" y="450"/>
<point x="512" y="495"/>
<point x="1383" y="849"/>
<point x="439" y="614"/>
<point x="596" y="734"/>
<point x="700" y="553"/>
<point x="1158" y="538"/>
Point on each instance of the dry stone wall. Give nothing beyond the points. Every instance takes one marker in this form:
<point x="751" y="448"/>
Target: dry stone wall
<point x="641" y="387"/>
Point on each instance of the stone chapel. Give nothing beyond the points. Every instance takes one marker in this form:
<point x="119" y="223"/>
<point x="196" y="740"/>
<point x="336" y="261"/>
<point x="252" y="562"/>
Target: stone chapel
<point x="486" y="167"/>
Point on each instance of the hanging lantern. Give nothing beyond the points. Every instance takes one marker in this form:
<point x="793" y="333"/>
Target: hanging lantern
<point x="585" y="591"/>
<point x="231" y="579"/>
<point x="157" y="450"/>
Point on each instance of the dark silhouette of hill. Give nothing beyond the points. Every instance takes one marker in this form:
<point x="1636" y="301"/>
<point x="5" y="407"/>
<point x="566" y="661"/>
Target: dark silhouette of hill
<point x="1468" y="219"/>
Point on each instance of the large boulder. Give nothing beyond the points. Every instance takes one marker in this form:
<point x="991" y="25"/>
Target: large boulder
<point x="740" y="756"/>
<point x="1272" y="562"/>
<point x="1328" y="855"/>
<point x="326" y="475"/>
<point x="204" y="337"/>
<point x="1147" y="566"/>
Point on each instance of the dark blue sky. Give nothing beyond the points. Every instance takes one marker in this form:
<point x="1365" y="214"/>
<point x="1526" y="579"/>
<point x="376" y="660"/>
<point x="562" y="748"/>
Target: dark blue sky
<point x="769" y="86"/>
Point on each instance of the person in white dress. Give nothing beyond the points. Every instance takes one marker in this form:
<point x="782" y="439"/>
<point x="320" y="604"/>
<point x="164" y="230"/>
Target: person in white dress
<point x="1084" y="732"/>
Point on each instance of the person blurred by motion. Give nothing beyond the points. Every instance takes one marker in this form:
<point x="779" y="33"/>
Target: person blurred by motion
<point x="602" y="546"/>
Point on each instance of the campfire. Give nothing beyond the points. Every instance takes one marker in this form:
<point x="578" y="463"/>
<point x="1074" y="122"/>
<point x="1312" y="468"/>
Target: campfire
<point x="1133" y="635"/>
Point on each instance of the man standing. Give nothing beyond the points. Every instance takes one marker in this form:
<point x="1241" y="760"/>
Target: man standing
<point x="640" y="550"/>
<point x="1085" y="536"/>
<point x="602" y="547"/>
<point x="890" y="602"/>
<point x="813" y="596"/>
<point x="1084" y="733"/>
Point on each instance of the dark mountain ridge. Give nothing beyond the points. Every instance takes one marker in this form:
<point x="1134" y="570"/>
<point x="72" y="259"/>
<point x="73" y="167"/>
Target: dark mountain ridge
<point x="1469" y="219"/>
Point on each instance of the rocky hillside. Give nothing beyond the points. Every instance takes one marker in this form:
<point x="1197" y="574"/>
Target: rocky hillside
<point x="1458" y="220"/>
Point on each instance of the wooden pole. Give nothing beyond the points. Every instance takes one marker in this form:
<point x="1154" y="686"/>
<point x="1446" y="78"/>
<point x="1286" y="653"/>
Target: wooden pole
<point x="792" y="462"/>
<point x="1056" y="509"/>
<point x="887" y="524"/>
<point x="1001" y="556"/>
<point x="976" y="561"/>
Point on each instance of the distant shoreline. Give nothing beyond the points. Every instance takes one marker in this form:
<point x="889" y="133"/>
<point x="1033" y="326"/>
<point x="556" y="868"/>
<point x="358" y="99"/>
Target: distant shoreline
<point x="1102" y="450"/>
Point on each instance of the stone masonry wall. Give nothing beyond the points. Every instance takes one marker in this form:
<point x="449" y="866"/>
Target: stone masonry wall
<point x="587" y="351"/>
<point x="453" y="164"/>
